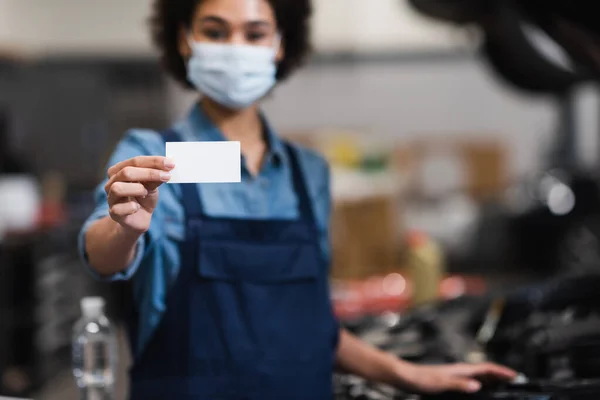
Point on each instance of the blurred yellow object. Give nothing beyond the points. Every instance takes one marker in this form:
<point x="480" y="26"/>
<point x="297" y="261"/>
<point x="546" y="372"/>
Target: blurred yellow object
<point x="344" y="151"/>
<point x="364" y="233"/>
<point x="426" y="266"/>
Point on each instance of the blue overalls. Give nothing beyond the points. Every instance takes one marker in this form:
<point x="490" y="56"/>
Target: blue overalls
<point x="249" y="316"/>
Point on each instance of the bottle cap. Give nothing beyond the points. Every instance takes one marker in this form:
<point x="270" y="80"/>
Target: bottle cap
<point x="92" y="306"/>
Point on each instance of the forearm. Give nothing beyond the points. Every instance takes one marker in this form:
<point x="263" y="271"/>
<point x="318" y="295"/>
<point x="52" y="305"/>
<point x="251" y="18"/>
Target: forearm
<point x="361" y="359"/>
<point x="109" y="248"/>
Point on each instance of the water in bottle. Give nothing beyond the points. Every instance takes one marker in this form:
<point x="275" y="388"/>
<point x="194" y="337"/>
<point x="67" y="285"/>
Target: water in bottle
<point x="94" y="352"/>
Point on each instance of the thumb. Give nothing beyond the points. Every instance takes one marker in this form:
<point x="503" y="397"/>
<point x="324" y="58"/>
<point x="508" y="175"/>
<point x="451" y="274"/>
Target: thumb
<point x="465" y="385"/>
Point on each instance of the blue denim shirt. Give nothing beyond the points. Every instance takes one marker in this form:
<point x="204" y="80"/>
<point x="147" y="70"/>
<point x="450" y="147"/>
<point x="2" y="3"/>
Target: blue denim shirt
<point x="268" y="195"/>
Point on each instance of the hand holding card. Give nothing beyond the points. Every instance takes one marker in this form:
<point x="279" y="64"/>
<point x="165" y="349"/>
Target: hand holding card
<point x="205" y="162"/>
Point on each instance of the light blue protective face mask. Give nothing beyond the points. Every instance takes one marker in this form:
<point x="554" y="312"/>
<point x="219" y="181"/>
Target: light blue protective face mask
<point x="235" y="76"/>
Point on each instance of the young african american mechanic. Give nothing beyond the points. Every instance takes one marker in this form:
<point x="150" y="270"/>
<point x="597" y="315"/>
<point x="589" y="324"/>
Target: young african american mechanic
<point x="230" y="281"/>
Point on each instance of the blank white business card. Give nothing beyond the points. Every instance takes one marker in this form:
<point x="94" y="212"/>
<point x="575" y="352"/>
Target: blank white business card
<point x="205" y="162"/>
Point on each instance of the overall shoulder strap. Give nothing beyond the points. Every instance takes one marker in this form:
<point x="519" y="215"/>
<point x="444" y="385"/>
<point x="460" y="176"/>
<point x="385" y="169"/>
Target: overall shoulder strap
<point x="171" y="135"/>
<point x="299" y="182"/>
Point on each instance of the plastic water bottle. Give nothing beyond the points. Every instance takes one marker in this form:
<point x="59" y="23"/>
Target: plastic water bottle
<point x="94" y="352"/>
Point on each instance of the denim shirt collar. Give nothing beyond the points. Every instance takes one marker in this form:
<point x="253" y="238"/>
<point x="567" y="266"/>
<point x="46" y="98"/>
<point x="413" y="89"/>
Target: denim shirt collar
<point x="202" y="128"/>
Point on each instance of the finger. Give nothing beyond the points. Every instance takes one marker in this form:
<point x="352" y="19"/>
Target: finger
<point x="465" y="385"/>
<point x="112" y="200"/>
<point x="464" y="369"/>
<point x="146" y="176"/>
<point x="495" y="370"/>
<point x="124" y="209"/>
<point x="128" y="189"/>
<point x="150" y="188"/>
<point x="136" y="174"/>
<point x="153" y="162"/>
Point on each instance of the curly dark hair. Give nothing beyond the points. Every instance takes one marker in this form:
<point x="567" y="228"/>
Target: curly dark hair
<point x="169" y="15"/>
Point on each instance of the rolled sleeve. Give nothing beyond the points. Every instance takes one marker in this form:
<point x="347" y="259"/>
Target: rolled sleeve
<point x="316" y="167"/>
<point x="124" y="275"/>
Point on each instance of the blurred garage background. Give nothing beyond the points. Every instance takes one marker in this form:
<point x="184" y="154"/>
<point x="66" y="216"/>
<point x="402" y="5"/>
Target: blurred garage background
<point x="450" y="175"/>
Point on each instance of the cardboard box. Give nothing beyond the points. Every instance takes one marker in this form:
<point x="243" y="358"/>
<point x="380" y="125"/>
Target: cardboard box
<point x="365" y="226"/>
<point x="481" y="163"/>
<point x="364" y="236"/>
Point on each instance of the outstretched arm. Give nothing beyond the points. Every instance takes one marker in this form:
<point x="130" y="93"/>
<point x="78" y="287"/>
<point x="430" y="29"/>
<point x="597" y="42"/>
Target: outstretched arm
<point x="361" y="359"/>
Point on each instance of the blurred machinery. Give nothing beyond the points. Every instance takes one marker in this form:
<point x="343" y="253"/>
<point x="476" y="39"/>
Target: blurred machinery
<point x="84" y="106"/>
<point x="18" y="208"/>
<point x="570" y="23"/>
<point x="81" y="106"/>
<point x="544" y="49"/>
<point x="549" y="332"/>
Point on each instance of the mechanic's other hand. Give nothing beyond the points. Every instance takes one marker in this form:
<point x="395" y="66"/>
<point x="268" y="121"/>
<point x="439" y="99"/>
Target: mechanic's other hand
<point x="132" y="190"/>
<point x="432" y="379"/>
